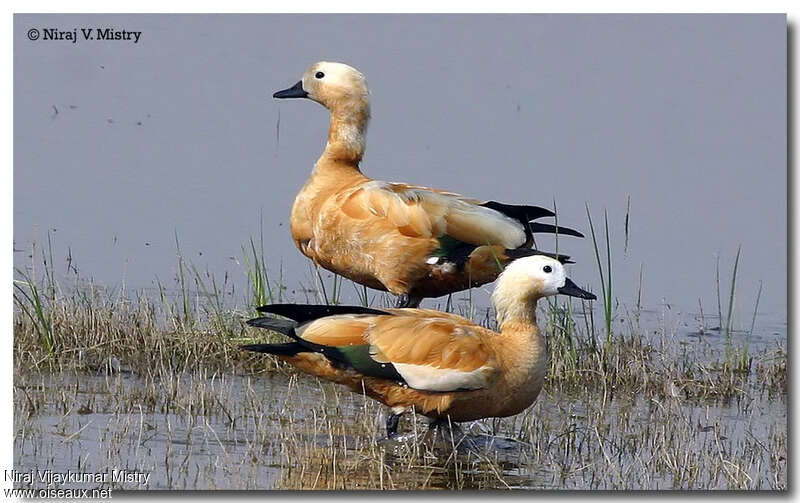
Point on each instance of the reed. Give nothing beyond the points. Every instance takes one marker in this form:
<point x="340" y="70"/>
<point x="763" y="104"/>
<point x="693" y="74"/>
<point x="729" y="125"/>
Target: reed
<point x="755" y="311"/>
<point x="28" y="299"/>
<point x="36" y="300"/>
<point x="186" y="320"/>
<point x="731" y="296"/>
<point x="737" y="357"/>
<point x="258" y="278"/>
<point x="605" y="277"/>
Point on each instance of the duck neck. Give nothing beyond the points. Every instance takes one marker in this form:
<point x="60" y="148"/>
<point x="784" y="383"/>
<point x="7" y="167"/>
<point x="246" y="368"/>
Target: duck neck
<point x="517" y="317"/>
<point x="515" y="302"/>
<point x="525" y="348"/>
<point x="347" y="135"/>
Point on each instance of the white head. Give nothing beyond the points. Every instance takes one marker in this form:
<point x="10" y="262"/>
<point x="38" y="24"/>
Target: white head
<point x="334" y="85"/>
<point x="526" y="280"/>
<point x="343" y="90"/>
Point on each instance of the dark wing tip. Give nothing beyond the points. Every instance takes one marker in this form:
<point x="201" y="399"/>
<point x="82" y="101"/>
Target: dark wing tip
<point x="283" y="326"/>
<point x="521" y="212"/>
<point x="302" y="313"/>
<point x="286" y="349"/>
<point x="536" y="227"/>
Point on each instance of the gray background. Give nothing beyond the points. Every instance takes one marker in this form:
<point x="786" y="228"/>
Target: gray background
<point x="686" y="114"/>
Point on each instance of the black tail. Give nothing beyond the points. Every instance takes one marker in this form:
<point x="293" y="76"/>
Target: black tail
<point x="528" y="252"/>
<point x="287" y="328"/>
<point x="292" y="348"/>
<point x="284" y="327"/>
<point x="527" y="214"/>
<point x="287" y="349"/>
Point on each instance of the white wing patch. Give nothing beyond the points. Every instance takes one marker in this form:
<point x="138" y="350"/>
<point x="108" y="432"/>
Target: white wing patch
<point x="428" y="378"/>
<point x="467" y="221"/>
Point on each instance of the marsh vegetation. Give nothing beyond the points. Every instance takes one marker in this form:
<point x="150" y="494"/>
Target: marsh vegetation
<point x="154" y="382"/>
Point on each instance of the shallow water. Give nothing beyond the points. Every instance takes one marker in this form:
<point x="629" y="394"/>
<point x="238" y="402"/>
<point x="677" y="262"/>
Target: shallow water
<point x="280" y="430"/>
<point x="180" y="450"/>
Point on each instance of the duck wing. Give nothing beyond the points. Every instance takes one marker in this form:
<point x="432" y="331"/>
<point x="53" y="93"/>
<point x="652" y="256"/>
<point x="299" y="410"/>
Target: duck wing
<point x="426" y="350"/>
<point x="338" y="336"/>
<point x="459" y="223"/>
<point x="434" y="352"/>
<point x="428" y="213"/>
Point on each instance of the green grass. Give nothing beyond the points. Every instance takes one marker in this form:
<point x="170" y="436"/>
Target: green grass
<point x="186" y="319"/>
<point x="737" y="357"/>
<point x="30" y="302"/>
<point x="755" y="311"/>
<point x="37" y="299"/>
<point x="258" y="278"/>
<point x="731" y="296"/>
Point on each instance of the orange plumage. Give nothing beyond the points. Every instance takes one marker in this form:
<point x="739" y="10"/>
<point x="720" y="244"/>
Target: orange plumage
<point x="439" y="364"/>
<point x="409" y="240"/>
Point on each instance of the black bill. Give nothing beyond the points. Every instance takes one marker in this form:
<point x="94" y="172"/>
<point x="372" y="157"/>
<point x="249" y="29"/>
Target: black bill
<point x="573" y="290"/>
<point x="296" y="91"/>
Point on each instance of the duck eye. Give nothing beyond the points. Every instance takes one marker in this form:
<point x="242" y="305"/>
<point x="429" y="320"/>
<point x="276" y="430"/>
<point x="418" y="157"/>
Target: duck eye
<point x="319" y="75"/>
<point x="547" y="268"/>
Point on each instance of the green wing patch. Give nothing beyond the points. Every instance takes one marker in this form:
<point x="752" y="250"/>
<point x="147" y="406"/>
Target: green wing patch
<point x="453" y="250"/>
<point x="359" y="358"/>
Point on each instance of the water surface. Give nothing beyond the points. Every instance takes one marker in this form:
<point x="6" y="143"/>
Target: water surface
<point x="178" y="135"/>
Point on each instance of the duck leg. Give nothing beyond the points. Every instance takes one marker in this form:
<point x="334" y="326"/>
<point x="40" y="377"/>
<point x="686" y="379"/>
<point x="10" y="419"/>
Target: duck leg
<point x="405" y="300"/>
<point x="451" y="434"/>
<point x="447" y="428"/>
<point x="438" y="424"/>
<point x="391" y="424"/>
<point x="402" y="300"/>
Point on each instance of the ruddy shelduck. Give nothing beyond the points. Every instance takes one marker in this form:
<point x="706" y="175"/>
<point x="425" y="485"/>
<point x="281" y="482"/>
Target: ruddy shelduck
<point x="412" y="241"/>
<point x="438" y="364"/>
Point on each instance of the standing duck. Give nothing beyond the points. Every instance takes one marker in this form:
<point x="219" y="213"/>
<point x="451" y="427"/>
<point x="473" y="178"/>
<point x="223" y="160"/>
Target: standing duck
<point x="412" y="241"/>
<point x="439" y="364"/>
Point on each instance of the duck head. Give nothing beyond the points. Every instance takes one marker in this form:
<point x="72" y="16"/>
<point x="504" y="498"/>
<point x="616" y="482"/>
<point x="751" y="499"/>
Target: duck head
<point x="333" y="85"/>
<point x="526" y="280"/>
<point x="343" y="90"/>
